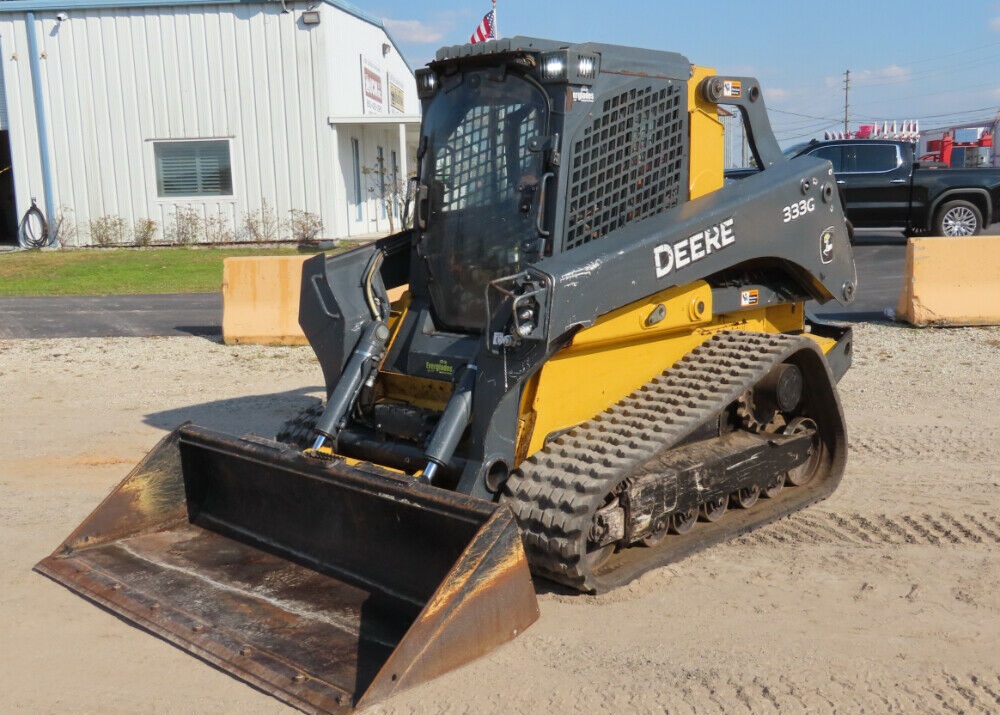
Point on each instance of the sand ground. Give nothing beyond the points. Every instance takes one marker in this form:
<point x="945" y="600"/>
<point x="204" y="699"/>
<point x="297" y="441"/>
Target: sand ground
<point x="883" y="598"/>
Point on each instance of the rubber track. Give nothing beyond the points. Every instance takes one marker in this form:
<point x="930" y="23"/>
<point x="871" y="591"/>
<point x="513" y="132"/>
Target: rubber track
<point x="300" y="431"/>
<point x="561" y="486"/>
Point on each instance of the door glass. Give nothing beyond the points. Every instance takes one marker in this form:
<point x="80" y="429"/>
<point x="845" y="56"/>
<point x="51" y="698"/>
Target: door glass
<point x="483" y="180"/>
<point x="876" y="157"/>
<point x="832" y="154"/>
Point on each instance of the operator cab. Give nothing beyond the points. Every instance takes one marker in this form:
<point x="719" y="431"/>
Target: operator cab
<point x="481" y="182"/>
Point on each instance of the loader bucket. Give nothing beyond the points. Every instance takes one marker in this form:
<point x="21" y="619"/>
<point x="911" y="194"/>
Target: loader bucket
<point x="325" y="585"/>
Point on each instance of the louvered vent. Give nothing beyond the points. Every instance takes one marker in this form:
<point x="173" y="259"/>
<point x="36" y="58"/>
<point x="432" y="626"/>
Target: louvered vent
<point x="195" y="168"/>
<point x="629" y="163"/>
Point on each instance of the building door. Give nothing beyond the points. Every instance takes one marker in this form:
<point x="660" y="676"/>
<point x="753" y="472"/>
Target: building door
<point x="8" y="208"/>
<point x="356" y="205"/>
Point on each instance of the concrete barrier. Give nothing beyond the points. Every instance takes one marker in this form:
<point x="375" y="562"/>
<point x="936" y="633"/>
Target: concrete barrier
<point x="260" y="300"/>
<point x="951" y="281"/>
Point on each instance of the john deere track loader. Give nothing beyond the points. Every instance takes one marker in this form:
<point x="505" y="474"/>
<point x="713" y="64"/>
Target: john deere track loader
<point x="601" y="352"/>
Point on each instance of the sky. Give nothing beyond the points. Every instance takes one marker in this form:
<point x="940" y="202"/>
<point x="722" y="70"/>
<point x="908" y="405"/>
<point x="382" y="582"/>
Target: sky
<point x="935" y="62"/>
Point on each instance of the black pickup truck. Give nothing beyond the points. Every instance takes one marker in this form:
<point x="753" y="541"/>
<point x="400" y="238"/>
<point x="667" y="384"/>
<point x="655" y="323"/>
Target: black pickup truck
<point x="883" y="187"/>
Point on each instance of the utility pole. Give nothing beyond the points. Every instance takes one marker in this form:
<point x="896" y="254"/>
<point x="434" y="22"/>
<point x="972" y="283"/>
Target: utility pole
<point x="847" y="86"/>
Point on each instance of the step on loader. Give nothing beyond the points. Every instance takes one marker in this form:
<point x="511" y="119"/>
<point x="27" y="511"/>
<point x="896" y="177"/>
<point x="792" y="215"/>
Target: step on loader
<point x="601" y="363"/>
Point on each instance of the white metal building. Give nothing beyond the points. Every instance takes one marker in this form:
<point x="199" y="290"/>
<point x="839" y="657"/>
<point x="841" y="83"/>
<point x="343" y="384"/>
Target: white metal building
<point x="215" y="120"/>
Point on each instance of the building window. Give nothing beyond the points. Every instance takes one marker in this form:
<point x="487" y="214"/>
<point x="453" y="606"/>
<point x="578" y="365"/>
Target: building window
<point x="395" y="182"/>
<point x="356" y="151"/>
<point x="381" y="179"/>
<point x="193" y="168"/>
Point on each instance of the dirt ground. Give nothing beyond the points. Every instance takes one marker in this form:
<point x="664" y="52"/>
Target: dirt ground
<point x="884" y="598"/>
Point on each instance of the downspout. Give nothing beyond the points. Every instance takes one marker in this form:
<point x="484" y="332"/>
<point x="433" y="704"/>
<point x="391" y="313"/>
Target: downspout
<point x="40" y="119"/>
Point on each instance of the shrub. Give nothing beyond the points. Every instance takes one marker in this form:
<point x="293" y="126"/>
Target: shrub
<point x="65" y="228"/>
<point x="186" y="228"/>
<point x="304" y="226"/>
<point x="108" y="230"/>
<point x="218" y="229"/>
<point x="261" y="226"/>
<point x="144" y="231"/>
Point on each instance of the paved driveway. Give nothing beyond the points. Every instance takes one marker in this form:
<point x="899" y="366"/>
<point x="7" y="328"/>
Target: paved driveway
<point x="111" y="316"/>
<point x="880" y="257"/>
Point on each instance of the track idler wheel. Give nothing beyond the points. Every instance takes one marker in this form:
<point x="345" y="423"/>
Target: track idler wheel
<point x="713" y="509"/>
<point x="745" y="498"/>
<point x="600" y="544"/>
<point x="772" y="490"/>
<point x="657" y="535"/>
<point x="804" y="473"/>
<point x="681" y="522"/>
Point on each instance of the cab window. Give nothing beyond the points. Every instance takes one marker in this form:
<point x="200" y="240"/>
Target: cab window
<point x="875" y="157"/>
<point x="833" y="154"/>
<point x="860" y="158"/>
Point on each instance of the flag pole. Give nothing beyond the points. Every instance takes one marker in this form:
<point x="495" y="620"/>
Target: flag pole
<point x="496" y="25"/>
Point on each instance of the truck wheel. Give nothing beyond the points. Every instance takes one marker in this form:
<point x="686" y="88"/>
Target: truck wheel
<point x="958" y="218"/>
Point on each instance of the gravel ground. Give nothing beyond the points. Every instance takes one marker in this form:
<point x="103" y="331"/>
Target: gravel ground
<point x="884" y="598"/>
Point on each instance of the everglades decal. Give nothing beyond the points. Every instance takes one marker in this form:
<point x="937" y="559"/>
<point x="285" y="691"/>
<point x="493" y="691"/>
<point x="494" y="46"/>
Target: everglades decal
<point x="441" y="367"/>
<point x="668" y="257"/>
<point x="826" y="245"/>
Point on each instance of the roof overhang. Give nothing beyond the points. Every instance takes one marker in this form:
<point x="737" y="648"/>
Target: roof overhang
<point x="19" y="6"/>
<point x="376" y="119"/>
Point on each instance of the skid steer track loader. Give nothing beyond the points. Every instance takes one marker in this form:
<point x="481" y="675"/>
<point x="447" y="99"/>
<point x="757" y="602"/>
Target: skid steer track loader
<point x="601" y="363"/>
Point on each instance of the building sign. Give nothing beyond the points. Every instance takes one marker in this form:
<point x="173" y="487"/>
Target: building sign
<point x="397" y="98"/>
<point x="371" y="87"/>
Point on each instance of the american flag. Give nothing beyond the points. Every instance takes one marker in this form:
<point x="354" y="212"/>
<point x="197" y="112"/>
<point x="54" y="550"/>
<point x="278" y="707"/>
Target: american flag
<point x="487" y="29"/>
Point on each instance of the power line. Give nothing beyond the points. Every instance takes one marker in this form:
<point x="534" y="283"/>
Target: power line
<point x="875" y="82"/>
<point x="911" y="76"/>
<point x="809" y="134"/>
<point x="800" y="127"/>
<point x="950" y="114"/>
<point x="963" y="51"/>
<point x="937" y="95"/>
<point x="798" y="114"/>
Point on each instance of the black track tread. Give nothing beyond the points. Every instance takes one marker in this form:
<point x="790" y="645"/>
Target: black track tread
<point x="556" y="491"/>
<point x="300" y="431"/>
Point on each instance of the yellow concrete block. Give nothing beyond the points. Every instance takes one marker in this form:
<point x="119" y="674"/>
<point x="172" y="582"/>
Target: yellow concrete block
<point x="260" y="300"/>
<point x="951" y="281"/>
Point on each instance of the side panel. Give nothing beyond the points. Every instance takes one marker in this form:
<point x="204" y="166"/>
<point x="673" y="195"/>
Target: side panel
<point x="786" y="220"/>
<point x="707" y="148"/>
<point x="625" y="349"/>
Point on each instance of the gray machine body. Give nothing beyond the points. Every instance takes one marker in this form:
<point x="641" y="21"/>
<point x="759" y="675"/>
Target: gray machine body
<point x="597" y="242"/>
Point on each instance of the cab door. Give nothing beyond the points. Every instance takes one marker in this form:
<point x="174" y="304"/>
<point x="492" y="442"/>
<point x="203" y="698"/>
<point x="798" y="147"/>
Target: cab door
<point x="875" y="182"/>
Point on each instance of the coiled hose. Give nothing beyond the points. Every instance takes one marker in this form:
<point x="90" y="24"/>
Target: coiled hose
<point x="34" y="229"/>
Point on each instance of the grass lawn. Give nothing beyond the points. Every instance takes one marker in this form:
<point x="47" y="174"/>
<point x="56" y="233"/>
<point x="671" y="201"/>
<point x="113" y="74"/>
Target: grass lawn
<point x="122" y="271"/>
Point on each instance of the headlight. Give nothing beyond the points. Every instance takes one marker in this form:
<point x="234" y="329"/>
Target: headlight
<point x="565" y="66"/>
<point x="554" y="67"/>
<point x="427" y="83"/>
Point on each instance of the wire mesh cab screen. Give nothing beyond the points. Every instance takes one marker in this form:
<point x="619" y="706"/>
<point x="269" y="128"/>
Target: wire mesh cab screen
<point x="483" y="178"/>
<point x="629" y="162"/>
